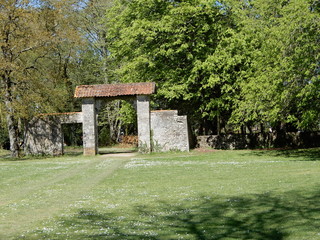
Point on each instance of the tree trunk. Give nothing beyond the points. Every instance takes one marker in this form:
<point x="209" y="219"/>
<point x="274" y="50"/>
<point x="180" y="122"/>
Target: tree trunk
<point x="218" y="125"/>
<point x="262" y="129"/>
<point x="13" y="129"/>
<point x="113" y="120"/>
<point x="13" y="136"/>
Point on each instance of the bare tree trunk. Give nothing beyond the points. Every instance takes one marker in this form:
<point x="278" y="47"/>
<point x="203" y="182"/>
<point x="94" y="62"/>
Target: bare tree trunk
<point x="111" y="126"/>
<point x="218" y="124"/>
<point x="13" y="128"/>
<point x="104" y="53"/>
<point x="13" y="136"/>
<point x="262" y="129"/>
<point x="115" y="124"/>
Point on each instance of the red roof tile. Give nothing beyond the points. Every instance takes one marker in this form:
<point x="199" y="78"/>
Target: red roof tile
<point x="114" y="90"/>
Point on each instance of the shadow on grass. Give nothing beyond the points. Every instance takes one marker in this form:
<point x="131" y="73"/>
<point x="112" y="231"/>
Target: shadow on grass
<point x="260" y="217"/>
<point x="5" y="156"/>
<point x="312" y="154"/>
<point x="8" y="158"/>
<point x="117" y="149"/>
<point x="106" y="152"/>
<point x="73" y="154"/>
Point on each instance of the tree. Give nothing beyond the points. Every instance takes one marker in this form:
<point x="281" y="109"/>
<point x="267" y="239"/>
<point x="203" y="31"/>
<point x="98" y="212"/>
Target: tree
<point x="240" y="63"/>
<point x="94" y="32"/>
<point x="281" y="88"/>
<point x="97" y="54"/>
<point x="30" y="35"/>
<point x="175" y="44"/>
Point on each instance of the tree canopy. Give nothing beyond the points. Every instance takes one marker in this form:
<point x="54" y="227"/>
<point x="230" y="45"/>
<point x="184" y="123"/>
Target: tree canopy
<point x="239" y="62"/>
<point x="228" y="64"/>
<point x="35" y="40"/>
<point x="282" y="86"/>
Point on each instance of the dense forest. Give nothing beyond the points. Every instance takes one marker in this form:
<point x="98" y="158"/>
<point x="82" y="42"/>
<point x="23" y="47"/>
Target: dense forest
<point x="231" y="66"/>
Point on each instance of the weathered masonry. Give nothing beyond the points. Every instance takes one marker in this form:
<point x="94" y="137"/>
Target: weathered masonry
<point x="92" y="96"/>
<point x="43" y="135"/>
<point x="169" y="131"/>
<point x="157" y="131"/>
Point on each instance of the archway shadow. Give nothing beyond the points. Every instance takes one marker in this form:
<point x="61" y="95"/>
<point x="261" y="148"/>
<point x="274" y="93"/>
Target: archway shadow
<point x="262" y="217"/>
<point x="117" y="150"/>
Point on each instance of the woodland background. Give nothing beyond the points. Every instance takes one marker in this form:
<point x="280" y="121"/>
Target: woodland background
<point x="231" y="66"/>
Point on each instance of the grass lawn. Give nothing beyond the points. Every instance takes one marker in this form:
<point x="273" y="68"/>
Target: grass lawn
<point x="196" y="195"/>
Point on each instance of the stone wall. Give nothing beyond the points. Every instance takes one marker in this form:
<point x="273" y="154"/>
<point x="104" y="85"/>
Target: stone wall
<point x="143" y="119"/>
<point x="169" y="131"/>
<point x="259" y="140"/>
<point x="43" y="135"/>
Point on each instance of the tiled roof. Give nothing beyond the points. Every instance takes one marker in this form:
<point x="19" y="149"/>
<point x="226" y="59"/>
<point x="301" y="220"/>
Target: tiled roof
<point x="114" y="90"/>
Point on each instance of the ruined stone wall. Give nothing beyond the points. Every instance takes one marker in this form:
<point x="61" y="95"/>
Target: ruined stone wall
<point x="260" y="140"/>
<point x="169" y="131"/>
<point x="44" y="136"/>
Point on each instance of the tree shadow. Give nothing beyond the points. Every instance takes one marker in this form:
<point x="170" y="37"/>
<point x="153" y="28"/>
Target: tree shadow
<point x="73" y="151"/>
<point x="8" y="158"/>
<point x="311" y="154"/>
<point x="115" y="150"/>
<point x="261" y="217"/>
<point x="106" y="152"/>
<point x="5" y="156"/>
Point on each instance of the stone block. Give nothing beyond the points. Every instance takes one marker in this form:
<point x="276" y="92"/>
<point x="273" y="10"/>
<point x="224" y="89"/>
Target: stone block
<point x="169" y="132"/>
<point x="143" y="115"/>
<point x="89" y="127"/>
<point x="43" y="136"/>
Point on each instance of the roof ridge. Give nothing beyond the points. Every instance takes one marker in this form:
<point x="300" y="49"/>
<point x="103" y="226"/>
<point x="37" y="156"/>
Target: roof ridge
<point x="115" y="90"/>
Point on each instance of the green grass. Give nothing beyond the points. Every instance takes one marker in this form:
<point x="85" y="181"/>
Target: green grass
<point x="216" y="195"/>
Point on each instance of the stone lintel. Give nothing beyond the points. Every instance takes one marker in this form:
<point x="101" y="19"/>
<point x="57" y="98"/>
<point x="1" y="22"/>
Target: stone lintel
<point x="61" y="118"/>
<point x="71" y="118"/>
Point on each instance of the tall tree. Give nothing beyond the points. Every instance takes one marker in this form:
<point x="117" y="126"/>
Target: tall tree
<point x="175" y="44"/>
<point x="281" y="88"/>
<point x="95" y="32"/>
<point x="240" y="62"/>
<point x="30" y="35"/>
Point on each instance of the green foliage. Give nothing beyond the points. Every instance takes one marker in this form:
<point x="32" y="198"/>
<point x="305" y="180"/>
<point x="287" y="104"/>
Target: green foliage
<point x="72" y="134"/>
<point x="128" y="118"/>
<point x="243" y="62"/>
<point x="115" y="119"/>
<point x="175" y="45"/>
<point x="104" y="136"/>
<point x="36" y="45"/>
<point x="284" y="71"/>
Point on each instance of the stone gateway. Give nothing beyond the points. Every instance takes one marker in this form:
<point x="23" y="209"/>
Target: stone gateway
<point x="157" y="131"/>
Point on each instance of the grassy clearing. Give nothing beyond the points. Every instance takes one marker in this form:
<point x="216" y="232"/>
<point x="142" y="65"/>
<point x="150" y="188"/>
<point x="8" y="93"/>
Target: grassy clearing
<point x="216" y="195"/>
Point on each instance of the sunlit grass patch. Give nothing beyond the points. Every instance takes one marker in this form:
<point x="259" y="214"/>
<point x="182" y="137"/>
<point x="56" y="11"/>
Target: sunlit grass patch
<point x="215" y="195"/>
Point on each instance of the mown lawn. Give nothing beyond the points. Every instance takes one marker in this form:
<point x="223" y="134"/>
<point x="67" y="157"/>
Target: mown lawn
<point x="211" y="195"/>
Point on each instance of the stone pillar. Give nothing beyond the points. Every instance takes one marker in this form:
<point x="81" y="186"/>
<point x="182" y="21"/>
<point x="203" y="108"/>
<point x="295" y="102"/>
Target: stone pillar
<point x="143" y="115"/>
<point x="89" y="126"/>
